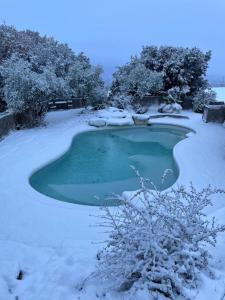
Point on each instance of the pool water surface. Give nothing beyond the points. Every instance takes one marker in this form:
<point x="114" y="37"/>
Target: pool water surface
<point x="98" y="163"/>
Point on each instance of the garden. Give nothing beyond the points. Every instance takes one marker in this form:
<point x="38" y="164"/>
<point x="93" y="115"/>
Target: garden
<point x="122" y="197"/>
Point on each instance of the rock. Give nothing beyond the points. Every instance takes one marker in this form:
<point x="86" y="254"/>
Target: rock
<point x="97" y="122"/>
<point x="119" y="122"/>
<point x="118" y="115"/>
<point x="170" y="108"/>
<point x="161" y="106"/>
<point x="177" y="108"/>
<point x="140" y="119"/>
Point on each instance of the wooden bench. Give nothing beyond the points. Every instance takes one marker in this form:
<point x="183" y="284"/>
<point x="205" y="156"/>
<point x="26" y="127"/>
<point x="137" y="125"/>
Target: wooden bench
<point x="66" y="103"/>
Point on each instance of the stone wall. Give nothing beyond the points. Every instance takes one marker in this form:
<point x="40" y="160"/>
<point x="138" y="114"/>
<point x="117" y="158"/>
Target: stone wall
<point x="6" y="123"/>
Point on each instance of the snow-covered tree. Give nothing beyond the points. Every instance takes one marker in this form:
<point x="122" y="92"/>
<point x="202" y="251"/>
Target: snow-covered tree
<point x="54" y="70"/>
<point x="134" y="80"/>
<point x="175" y="71"/>
<point x="182" y="67"/>
<point x="26" y="91"/>
<point x="157" y="241"/>
<point x="202" y="98"/>
<point x="85" y="80"/>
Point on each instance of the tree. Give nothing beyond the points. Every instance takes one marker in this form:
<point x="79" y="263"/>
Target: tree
<point x="51" y="68"/>
<point x="85" y="80"/>
<point x="182" y="67"/>
<point x="175" y="71"/>
<point x="135" y="80"/>
<point x="26" y="91"/>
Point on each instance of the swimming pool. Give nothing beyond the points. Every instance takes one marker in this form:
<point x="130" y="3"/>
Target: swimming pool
<point x="98" y="163"/>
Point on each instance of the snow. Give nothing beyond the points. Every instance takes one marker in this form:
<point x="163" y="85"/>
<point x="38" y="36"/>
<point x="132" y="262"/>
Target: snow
<point x="97" y="122"/>
<point x="52" y="242"/>
<point x="220" y="93"/>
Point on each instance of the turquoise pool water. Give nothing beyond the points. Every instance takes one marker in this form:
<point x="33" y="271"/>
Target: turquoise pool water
<point x="98" y="163"/>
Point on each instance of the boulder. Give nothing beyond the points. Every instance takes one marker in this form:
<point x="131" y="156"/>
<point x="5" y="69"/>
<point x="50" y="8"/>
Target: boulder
<point x="170" y="108"/>
<point x="97" y="123"/>
<point x="140" y="119"/>
<point x="118" y="115"/>
<point x="177" y="108"/>
<point x="119" y="122"/>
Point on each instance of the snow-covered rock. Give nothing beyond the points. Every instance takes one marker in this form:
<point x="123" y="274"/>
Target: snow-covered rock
<point x="112" y="112"/>
<point x="165" y="108"/>
<point x="140" y="119"/>
<point x="170" y="108"/>
<point x="177" y="108"/>
<point x="97" y="122"/>
<point x="119" y="122"/>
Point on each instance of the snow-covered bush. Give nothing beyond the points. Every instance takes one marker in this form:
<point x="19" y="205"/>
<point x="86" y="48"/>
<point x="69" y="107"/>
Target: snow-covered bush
<point x="157" y="241"/>
<point x="202" y="98"/>
<point x="176" y="71"/>
<point x="51" y="69"/>
<point x="85" y="81"/>
<point x="121" y="101"/>
<point x="134" y="80"/>
<point x="170" y="104"/>
<point x="24" y="90"/>
<point x="183" y="68"/>
<point x="178" y="93"/>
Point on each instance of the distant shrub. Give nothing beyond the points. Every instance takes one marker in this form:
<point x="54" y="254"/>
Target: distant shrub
<point x="121" y="101"/>
<point x="202" y="98"/>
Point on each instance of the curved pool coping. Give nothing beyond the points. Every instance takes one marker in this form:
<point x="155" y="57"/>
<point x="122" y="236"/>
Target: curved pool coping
<point x="54" y="201"/>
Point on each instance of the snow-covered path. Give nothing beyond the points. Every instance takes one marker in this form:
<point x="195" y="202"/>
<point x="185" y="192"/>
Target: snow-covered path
<point x="36" y="230"/>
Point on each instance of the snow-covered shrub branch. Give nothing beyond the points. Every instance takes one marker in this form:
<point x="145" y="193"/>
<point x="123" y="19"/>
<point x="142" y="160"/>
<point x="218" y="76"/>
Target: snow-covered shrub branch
<point x="157" y="241"/>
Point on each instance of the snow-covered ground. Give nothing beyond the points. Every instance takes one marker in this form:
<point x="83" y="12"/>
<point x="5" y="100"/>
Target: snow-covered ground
<point x="52" y="242"/>
<point x="220" y="93"/>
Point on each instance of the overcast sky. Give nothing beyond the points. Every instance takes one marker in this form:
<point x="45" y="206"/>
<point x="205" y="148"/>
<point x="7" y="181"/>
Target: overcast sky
<point x="109" y="32"/>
